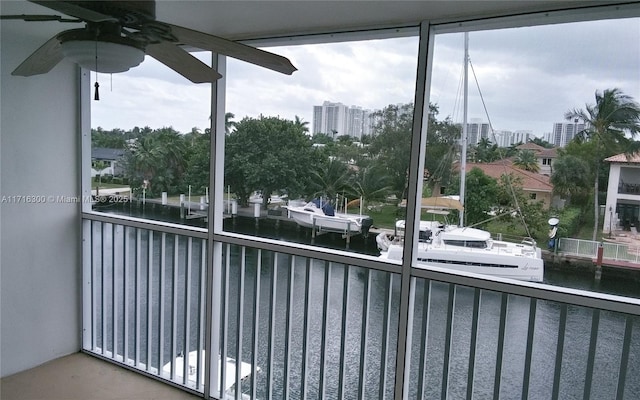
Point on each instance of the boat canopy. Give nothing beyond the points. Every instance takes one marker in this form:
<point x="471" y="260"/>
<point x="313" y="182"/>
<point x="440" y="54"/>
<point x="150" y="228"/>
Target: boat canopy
<point x="466" y="234"/>
<point x="442" y="203"/>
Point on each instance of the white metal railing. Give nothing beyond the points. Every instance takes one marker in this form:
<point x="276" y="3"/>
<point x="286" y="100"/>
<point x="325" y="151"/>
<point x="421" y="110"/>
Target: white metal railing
<point x="589" y="248"/>
<point x="311" y="327"/>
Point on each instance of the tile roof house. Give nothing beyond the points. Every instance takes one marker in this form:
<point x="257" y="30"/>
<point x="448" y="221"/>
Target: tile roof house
<point x="537" y="186"/>
<point x="544" y="156"/>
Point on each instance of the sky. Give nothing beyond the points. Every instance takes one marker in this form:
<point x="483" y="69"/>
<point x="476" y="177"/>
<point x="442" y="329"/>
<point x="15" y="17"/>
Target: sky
<point x="529" y="77"/>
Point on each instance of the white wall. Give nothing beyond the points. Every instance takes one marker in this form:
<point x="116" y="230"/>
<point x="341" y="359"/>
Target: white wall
<point x="39" y="243"/>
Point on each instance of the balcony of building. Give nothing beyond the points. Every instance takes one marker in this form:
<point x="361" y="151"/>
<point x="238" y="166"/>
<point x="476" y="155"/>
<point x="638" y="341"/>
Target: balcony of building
<point x="151" y="306"/>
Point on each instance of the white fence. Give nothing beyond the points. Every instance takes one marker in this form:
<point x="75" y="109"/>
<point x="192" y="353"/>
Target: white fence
<point x="589" y="248"/>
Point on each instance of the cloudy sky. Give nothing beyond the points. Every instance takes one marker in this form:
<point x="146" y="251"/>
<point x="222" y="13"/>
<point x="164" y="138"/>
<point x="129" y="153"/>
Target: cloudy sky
<point x="529" y="77"/>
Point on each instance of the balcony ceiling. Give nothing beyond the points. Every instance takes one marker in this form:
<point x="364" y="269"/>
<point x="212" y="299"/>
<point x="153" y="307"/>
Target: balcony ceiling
<point x="259" y="19"/>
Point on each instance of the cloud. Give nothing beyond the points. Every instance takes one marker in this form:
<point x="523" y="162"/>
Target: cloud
<point x="528" y="77"/>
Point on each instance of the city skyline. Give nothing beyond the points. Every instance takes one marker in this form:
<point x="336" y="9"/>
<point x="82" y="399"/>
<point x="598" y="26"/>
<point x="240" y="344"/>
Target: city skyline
<point x="529" y="78"/>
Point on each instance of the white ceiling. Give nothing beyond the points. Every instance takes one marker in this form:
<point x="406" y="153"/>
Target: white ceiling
<point x="266" y="18"/>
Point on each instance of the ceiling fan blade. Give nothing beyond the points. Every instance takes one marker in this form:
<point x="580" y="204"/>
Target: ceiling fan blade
<point x="42" y="60"/>
<point x="76" y="11"/>
<point x="32" y="18"/>
<point x="182" y="62"/>
<point x="237" y="50"/>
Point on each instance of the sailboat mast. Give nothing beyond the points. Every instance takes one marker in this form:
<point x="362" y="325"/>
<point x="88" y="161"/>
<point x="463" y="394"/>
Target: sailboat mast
<point x="463" y="141"/>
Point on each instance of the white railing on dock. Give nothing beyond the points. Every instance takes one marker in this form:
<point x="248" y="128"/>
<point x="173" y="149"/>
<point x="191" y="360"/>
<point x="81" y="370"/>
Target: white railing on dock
<point x="312" y="327"/>
<point x="589" y="249"/>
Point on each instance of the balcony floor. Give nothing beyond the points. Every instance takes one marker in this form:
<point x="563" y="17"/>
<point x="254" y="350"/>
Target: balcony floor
<point x="80" y="376"/>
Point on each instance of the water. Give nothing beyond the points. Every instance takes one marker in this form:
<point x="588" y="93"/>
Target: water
<point x="347" y="341"/>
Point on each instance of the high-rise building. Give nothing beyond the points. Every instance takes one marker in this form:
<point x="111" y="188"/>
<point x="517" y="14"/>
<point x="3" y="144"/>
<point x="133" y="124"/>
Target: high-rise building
<point x="564" y="132"/>
<point x="336" y="119"/>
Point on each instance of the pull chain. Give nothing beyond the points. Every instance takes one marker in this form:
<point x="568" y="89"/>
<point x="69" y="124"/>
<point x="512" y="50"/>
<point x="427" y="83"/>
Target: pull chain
<point x="96" y="96"/>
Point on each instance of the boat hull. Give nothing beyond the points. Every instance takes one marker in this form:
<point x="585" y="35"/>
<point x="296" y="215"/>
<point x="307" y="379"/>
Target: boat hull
<point x="504" y="260"/>
<point x="339" y="223"/>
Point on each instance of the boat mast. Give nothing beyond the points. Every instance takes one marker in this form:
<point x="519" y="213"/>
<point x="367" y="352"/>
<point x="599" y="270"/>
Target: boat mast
<point x="463" y="141"/>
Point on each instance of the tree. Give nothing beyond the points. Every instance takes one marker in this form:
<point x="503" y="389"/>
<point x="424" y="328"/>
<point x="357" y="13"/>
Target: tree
<point x="569" y="177"/>
<point x="371" y="184"/>
<point x="608" y="121"/>
<point x="391" y="144"/>
<point x="442" y="149"/>
<point x="526" y="160"/>
<point x="486" y="152"/>
<point x="481" y="192"/>
<point x="332" y="177"/>
<point x="541" y="142"/>
<point x="268" y="154"/>
<point x="229" y="123"/>
<point x="301" y="124"/>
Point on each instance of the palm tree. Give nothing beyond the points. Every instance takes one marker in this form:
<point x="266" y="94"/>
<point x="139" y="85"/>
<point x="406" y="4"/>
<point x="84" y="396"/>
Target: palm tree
<point x="229" y="123"/>
<point x="607" y="124"/>
<point x="301" y="124"/>
<point x="526" y="160"/>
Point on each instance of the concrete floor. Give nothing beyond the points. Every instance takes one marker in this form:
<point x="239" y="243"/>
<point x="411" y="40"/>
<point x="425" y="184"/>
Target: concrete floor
<point x="83" y="377"/>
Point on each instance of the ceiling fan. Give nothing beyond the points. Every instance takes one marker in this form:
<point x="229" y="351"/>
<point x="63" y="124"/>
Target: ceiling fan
<point x="118" y="34"/>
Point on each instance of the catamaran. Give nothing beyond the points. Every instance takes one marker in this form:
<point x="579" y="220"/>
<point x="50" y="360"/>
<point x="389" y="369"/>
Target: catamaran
<point x="464" y="248"/>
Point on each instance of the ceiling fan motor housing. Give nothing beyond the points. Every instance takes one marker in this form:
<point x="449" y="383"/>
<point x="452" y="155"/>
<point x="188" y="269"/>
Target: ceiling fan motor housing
<point x="105" y="53"/>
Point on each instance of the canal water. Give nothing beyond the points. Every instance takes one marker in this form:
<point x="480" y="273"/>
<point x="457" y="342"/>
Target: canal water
<point x="325" y="328"/>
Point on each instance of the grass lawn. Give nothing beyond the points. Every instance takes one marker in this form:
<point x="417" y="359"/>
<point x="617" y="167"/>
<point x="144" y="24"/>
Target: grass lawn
<point x="104" y="185"/>
<point x="387" y="215"/>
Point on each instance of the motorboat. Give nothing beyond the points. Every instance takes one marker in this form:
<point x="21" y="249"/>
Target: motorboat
<point x="323" y="218"/>
<point x="467" y="249"/>
<point x="230" y="384"/>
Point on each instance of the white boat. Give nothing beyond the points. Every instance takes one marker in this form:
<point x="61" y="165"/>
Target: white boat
<point x="466" y="249"/>
<point x="230" y="372"/>
<point x="325" y="219"/>
<point x="469" y="250"/>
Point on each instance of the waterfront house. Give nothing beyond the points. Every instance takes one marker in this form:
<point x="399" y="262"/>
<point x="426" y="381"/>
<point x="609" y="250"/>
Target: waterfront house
<point x="110" y="158"/>
<point x="544" y="156"/>
<point x="622" y="208"/>
<point x="64" y="279"/>
<point x="536" y="186"/>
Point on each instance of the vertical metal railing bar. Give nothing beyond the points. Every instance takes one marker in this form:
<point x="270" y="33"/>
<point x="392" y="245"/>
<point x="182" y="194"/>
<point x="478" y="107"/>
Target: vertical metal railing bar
<point x="533" y="306"/>
<point x="114" y="294"/>
<point x="137" y="295"/>
<point x="562" y="325"/>
<point x="447" y="341"/>
<point x="366" y="300"/>
<point x="475" y="316"/>
<point x="125" y="293"/>
<point x="384" y="351"/>
<point x="343" y="330"/>
<point x="323" y="332"/>
<point x="272" y="325"/>
<point x="187" y="313"/>
<point x="149" y="296"/>
<point x="239" y="329"/>
<point x="225" y="320"/>
<point x="624" y="359"/>
<point x="94" y="294"/>
<point x="174" y="310"/>
<point x="423" y="339"/>
<point x="305" y="329"/>
<point x="411" y="311"/>
<point x="595" y="323"/>
<point x="256" y="321"/>
<point x="289" y="326"/>
<point x="104" y="292"/>
<point x="201" y="312"/>
<point x="504" y="299"/>
<point x="161" y="307"/>
<point x="86" y="286"/>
